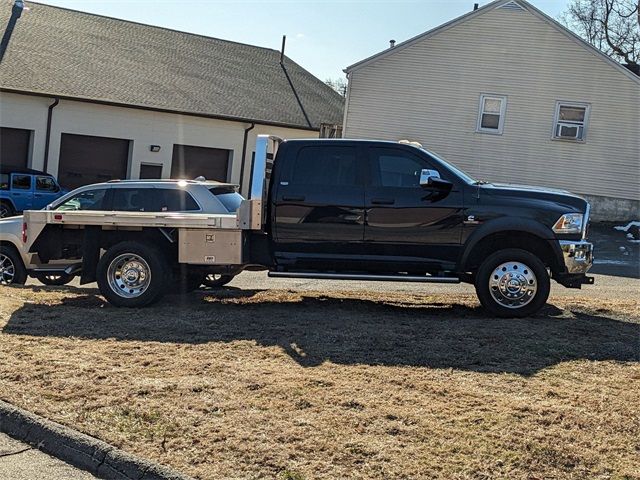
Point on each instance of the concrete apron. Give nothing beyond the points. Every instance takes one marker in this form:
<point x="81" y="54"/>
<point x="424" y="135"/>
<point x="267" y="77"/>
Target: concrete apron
<point x="80" y="450"/>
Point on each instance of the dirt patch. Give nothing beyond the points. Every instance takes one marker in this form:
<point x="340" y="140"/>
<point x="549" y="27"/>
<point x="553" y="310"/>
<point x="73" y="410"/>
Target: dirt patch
<point x="268" y="383"/>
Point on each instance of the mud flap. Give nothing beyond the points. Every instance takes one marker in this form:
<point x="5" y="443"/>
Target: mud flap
<point x="90" y="254"/>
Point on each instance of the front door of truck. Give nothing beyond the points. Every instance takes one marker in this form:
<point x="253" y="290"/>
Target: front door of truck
<point x="409" y="226"/>
<point x="319" y="207"/>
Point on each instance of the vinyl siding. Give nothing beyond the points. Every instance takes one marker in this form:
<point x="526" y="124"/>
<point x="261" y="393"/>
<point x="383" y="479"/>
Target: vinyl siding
<point x="429" y="92"/>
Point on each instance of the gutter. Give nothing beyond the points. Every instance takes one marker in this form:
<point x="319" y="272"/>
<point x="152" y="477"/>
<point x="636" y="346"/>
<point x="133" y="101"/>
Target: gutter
<point x="47" y="139"/>
<point x="244" y="151"/>
<point x="158" y="109"/>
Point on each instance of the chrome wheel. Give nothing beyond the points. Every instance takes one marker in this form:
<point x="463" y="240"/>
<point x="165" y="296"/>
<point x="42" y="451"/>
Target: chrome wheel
<point x="5" y="211"/>
<point x="129" y="275"/>
<point x="513" y="284"/>
<point x="7" y="270"/>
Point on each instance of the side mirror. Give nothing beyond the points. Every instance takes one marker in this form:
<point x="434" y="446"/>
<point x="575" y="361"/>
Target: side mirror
<point x="49" y="207"/>
<point x="427" y="175"/>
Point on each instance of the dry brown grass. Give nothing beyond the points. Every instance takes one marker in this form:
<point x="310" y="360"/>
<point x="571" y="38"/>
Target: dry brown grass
<point x="264" y="384"/>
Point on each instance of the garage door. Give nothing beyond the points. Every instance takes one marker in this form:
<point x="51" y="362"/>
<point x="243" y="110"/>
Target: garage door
<point x="191" y="162"/>
<point x="85" y="159"/>
<point x="14" y="147"/>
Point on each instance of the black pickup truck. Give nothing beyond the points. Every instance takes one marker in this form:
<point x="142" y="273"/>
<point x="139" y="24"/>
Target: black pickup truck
<point x="375" y="210"/>
<point x="329" y="209"/>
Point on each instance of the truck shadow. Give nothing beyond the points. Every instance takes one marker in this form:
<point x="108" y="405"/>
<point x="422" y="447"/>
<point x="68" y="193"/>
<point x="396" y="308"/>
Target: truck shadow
<point x="327" y="328"/>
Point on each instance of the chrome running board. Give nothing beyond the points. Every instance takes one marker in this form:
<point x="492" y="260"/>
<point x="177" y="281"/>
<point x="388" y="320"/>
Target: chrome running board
<point x="366" y="277"/>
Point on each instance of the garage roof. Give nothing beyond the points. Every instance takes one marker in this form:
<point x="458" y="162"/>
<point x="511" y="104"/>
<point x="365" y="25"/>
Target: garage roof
<point x="70" y="54"/>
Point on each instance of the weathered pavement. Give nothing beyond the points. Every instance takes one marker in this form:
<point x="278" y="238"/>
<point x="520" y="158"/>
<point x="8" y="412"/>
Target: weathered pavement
<point x="19" y="461"/>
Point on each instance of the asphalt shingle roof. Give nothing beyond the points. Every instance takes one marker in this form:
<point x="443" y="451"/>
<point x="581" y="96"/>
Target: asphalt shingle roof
<point x="66" y="53"/>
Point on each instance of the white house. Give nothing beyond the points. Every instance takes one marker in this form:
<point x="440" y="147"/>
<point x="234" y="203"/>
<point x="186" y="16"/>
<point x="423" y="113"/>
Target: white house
<point x="509" y="95"/>
<point x="89" y="98"/>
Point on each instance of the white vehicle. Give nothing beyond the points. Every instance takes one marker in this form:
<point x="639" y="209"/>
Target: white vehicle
<point x="139" y="198"/>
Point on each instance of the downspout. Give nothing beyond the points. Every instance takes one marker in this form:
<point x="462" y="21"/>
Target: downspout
<point x="244" y="152"/>
<point x="47" y="138"/>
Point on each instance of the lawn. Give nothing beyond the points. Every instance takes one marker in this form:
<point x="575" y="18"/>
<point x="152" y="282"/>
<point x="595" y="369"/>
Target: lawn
<point x="278" y="383"/>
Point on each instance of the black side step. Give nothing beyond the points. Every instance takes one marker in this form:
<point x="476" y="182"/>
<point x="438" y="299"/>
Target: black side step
<point x="364" y="276"/>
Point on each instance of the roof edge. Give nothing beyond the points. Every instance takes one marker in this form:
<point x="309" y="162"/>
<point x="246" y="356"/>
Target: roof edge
<point x="489" y="6"/>
<point x="577" y="39"/>
<point x="158" y="109"/>
<point x="422" y="36"/>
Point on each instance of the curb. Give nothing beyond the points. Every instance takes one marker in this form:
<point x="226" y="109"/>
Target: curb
<point x="80" y="450"/>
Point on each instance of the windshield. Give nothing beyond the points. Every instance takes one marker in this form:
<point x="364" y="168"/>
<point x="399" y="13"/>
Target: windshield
<point x="230" y="200"/>
<point x="452" y="167"/>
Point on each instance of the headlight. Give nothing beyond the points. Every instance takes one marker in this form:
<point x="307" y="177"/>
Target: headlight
<point x="569" y="223"/>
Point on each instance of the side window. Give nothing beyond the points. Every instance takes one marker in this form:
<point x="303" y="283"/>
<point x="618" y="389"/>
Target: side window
<point x="571" y="121"/>
<point x="4" y="181"/>
<point x="175" y="200"/>
<point x="491" y="115"/>
<point x="46" y="184"/>
<point x="395" y="168"/>
<point x="87" y="200"/>
<point x="21" y="182"/>
<point x="130" y="200"/>
<point x="332" y="166"/>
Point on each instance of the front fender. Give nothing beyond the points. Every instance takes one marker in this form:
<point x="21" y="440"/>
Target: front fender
<point x="509" y="225"/>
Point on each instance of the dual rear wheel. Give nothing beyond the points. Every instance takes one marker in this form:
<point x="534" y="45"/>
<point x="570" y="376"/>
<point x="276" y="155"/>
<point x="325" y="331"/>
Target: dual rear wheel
<point x="133" y="274"/>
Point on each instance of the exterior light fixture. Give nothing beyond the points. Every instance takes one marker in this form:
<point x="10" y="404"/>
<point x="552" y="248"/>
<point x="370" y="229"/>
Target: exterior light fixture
<point x="154" y="148"/>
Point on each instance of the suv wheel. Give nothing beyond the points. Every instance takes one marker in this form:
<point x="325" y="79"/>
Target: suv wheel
<point x="54" y="279"/>
<point x="12" y="271"/>
<point x="512" y="283"/>
<point x="131" y="274"/>
<point x="217" y="280"/>
<point x="5" y="210"/>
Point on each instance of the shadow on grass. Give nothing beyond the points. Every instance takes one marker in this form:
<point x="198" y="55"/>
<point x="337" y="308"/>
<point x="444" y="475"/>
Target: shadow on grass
<point x="315" y="329"/>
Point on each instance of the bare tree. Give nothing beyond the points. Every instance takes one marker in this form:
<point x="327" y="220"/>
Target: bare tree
<point x="613" y="26"/>
<point x="338" y="84"/>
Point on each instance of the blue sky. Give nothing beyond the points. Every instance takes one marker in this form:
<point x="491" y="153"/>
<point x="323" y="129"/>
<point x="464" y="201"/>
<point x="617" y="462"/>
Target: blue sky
<point x="322" y="36"/>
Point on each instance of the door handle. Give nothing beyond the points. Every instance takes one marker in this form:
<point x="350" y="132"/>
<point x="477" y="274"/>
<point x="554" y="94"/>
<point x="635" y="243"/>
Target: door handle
<point x="383" y="201"/>
<point x="37" y="194"/>
<point x="293" y="198"/>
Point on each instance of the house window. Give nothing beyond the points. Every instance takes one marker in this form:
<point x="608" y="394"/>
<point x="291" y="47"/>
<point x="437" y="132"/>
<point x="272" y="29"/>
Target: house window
<point x="570" y="121"/>
<point x="491" y="114"/>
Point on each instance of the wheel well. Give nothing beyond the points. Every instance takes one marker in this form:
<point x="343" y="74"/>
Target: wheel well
<point x="10" y="245"/>
<point x="7" y="202"/>
<point x="501" y="240"/>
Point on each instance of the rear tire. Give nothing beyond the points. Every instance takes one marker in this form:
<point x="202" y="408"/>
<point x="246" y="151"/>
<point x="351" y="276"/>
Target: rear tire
<point x="12" y="270"/>
<point x="54" y="279"/>
<point x="512" y="283"/>
<point x="6" y="210"/>
<point x="217" y="280"/>
<point x="132" y="274"/>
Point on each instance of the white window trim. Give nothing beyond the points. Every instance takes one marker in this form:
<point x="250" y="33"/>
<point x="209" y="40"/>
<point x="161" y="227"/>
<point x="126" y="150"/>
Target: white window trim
<point x="556" y="119"/>
<point x="503" y="110"/>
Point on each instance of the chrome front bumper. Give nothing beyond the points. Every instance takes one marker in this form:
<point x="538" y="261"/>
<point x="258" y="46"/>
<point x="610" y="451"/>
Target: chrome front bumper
<point x="578" y="256"/>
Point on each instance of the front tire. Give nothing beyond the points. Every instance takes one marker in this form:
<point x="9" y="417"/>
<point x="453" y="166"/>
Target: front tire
<point x="12" y="270"/>
<point x="512" y="283"/>
<point x="132" y="274"/>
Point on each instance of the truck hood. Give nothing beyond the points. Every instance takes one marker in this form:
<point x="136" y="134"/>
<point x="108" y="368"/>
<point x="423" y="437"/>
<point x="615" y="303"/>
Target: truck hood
<point x="534" y="192"/>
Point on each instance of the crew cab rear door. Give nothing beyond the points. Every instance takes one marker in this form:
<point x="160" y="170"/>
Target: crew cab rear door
<point x="319" y="204"/>
<point x="407" y="224"/>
